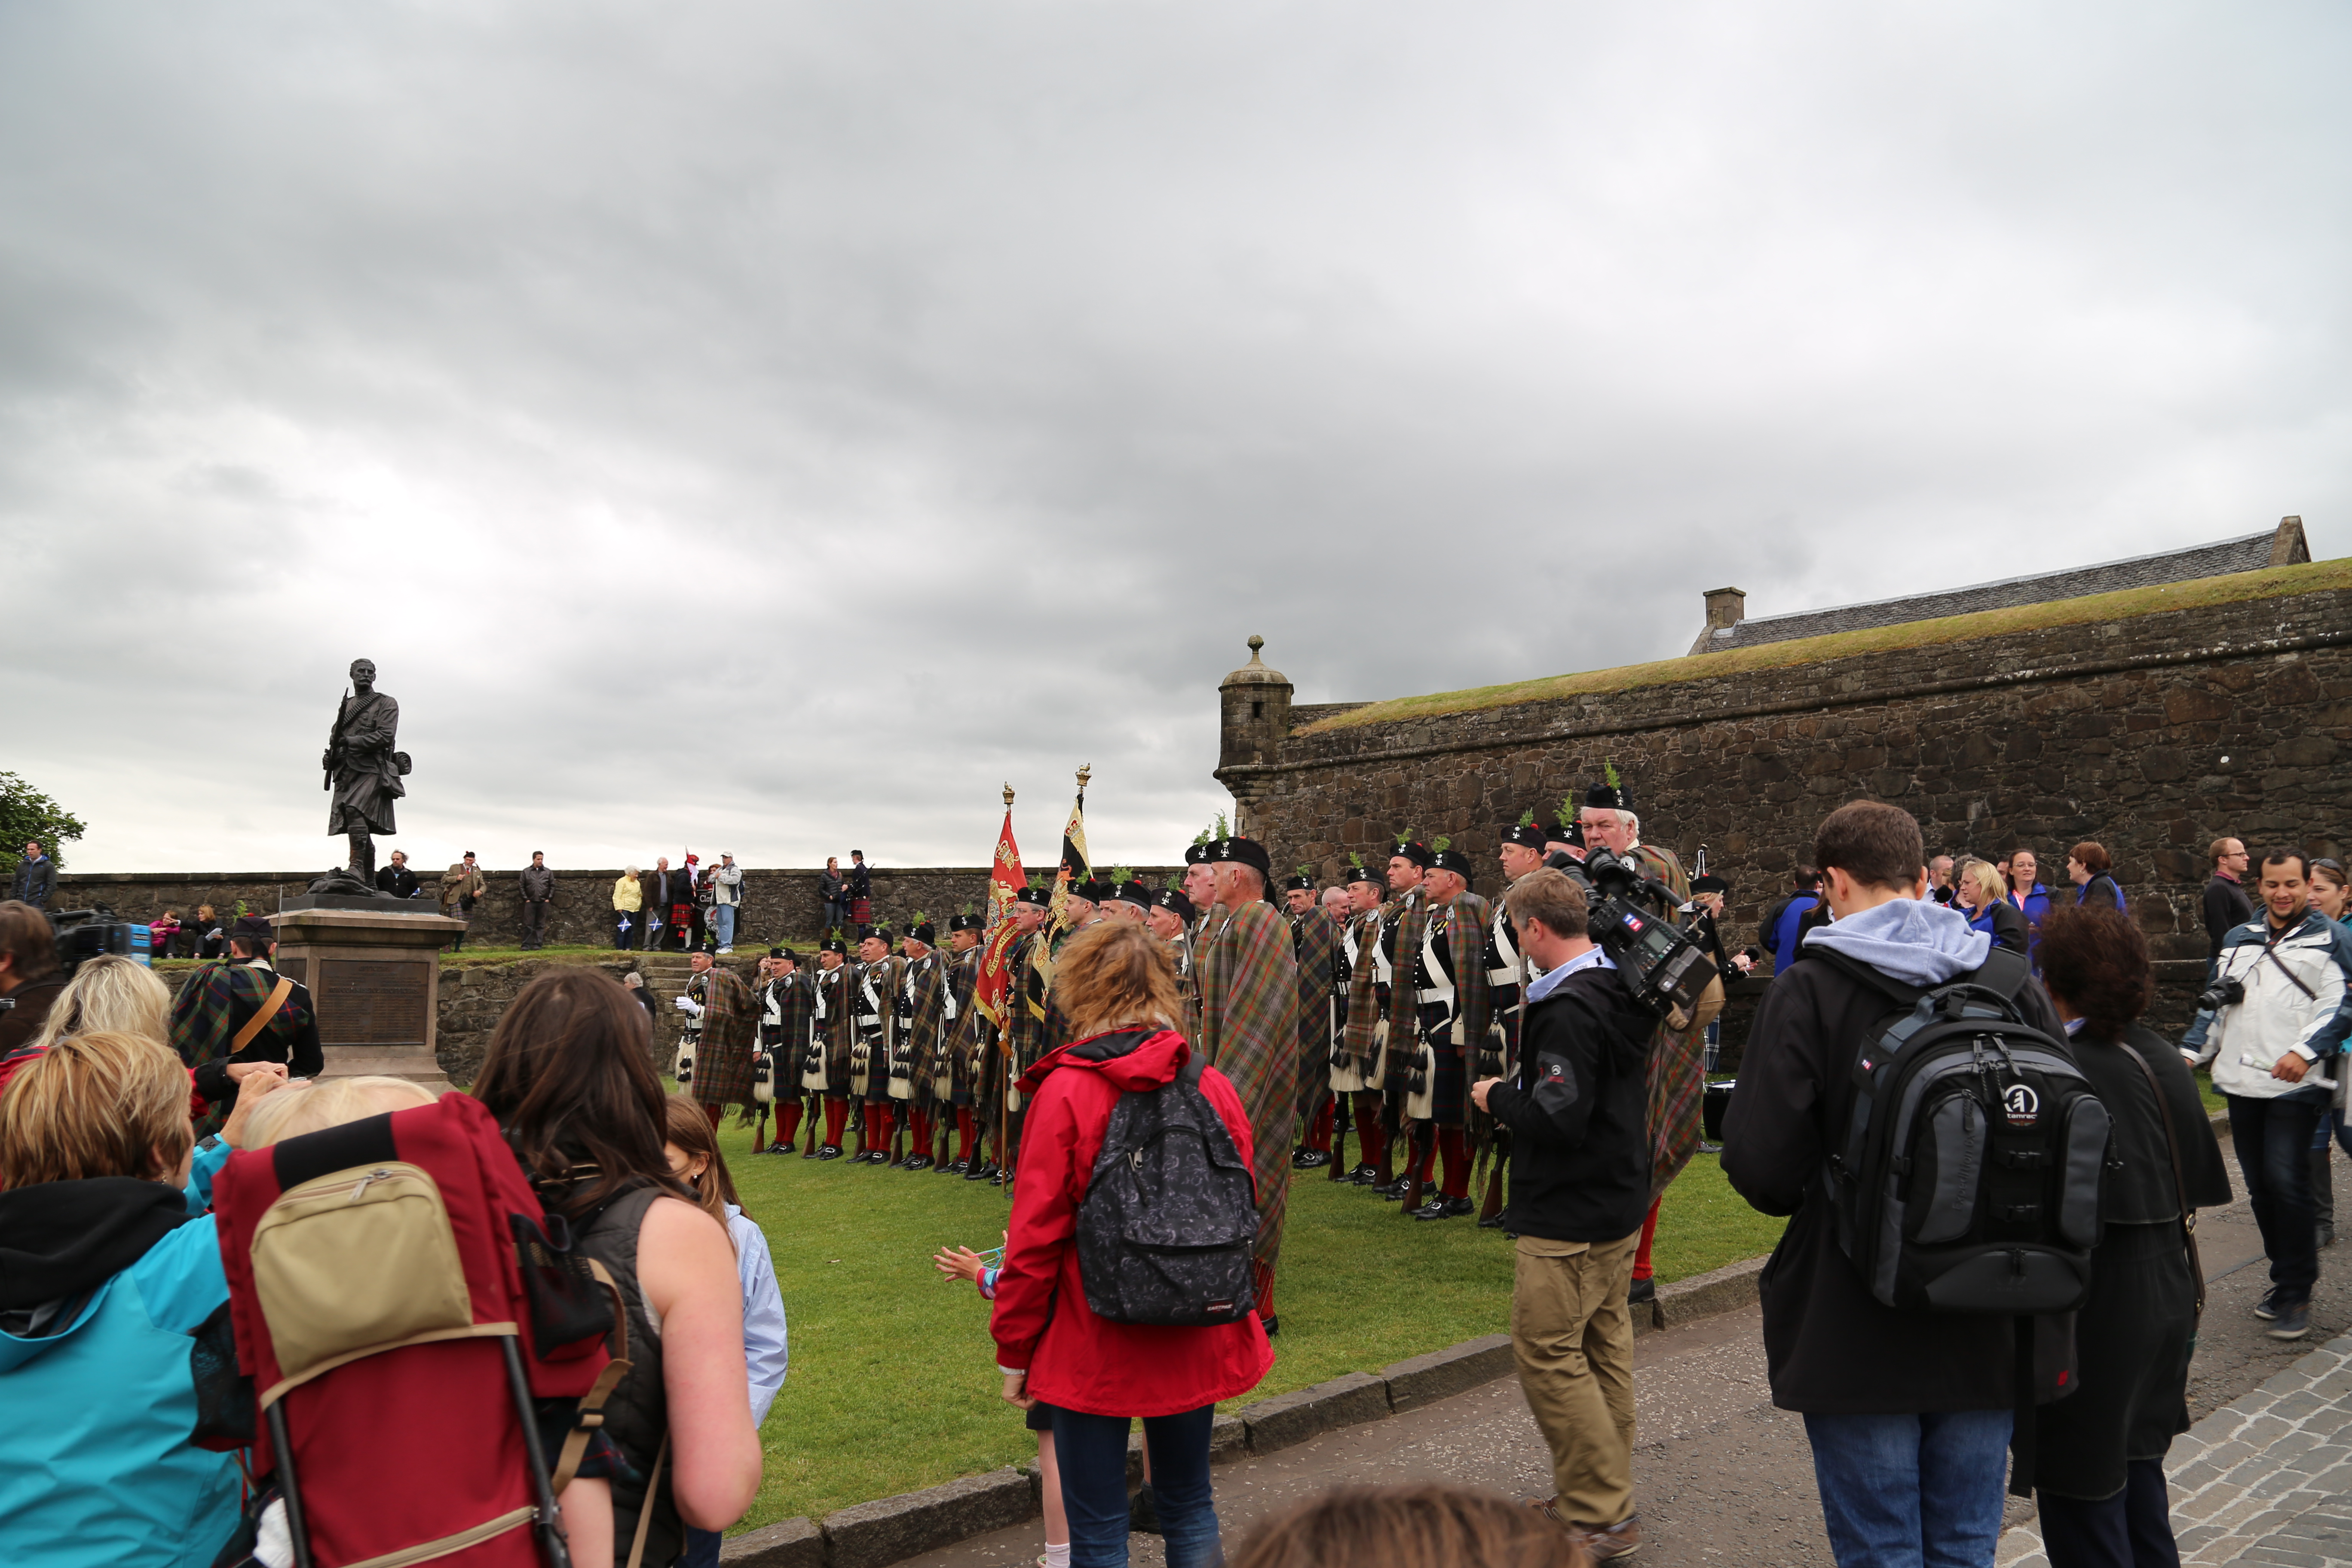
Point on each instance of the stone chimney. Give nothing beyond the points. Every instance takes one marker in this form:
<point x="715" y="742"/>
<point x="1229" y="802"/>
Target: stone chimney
<point x="1253" y="718"/>
<point x="1724" y="608"/>
<point x="2287" y="546"/>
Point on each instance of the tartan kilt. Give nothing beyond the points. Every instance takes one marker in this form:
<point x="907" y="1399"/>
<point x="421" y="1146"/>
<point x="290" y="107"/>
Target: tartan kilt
<point x="861" y="911"/>
<point x="722" y="1074"/>
<point x="1449" y="1082"/>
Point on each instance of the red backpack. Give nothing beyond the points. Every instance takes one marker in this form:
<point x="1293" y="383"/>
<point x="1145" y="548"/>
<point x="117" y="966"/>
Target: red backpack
<point x="400" y="1305"/>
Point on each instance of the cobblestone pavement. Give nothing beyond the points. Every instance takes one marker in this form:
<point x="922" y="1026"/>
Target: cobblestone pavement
<point x="2267" y="1479"/>
<point x="1723" y="1477"/>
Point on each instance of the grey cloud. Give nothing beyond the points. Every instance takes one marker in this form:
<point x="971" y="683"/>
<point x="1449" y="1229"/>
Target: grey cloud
<point x="782" y="425"/>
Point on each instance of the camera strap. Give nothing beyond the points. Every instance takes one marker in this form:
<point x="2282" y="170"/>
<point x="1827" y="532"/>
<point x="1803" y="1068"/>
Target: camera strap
<point x="2270" y="951"/>
<point x="2179" y="1183"/>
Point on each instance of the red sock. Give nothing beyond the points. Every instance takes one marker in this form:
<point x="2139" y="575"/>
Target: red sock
<point x="714" y="1112"/>
<point x="964" y="1120"/>
<point x="1320" y="1137"/>
<point x="1372" y="1144"/>
<point x="788" y="1122"/>
<point x="1455" y="1148"/>
<point x="922" y="1128"/>
<point x="837" y="1112"/>
<point x="1642" y="1253"/>
<point x="1424" y="1152"/>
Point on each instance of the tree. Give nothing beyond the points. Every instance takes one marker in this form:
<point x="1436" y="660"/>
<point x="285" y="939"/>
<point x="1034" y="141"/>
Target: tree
<point x="26" y="812"/>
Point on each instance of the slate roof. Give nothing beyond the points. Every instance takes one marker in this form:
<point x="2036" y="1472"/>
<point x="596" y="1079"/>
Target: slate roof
<point x="2248" y="553"/>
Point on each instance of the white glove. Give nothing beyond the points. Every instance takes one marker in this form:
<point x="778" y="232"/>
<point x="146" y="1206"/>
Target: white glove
<point x="689" y="1004"/>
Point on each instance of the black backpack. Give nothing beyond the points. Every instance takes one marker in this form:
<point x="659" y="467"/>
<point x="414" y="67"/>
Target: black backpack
<point x="1170" y="1219"/>
<point x="1969" y="1176"/>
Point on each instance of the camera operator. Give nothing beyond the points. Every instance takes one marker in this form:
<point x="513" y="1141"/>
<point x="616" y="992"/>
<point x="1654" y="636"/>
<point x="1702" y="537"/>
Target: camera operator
<point x="1578" y="1116"/>
<point x="30" y="980"/>
<point x="2272" y="1022"/>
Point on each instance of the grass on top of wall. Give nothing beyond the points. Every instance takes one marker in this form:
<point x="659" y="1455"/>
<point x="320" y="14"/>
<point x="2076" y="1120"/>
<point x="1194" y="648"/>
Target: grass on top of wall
<point x="894" y="1382"/>
<point x="2272" y="582"/>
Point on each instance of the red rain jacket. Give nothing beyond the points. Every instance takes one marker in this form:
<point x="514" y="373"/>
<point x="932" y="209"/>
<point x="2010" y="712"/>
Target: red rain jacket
<point x="1042" y="1322"/>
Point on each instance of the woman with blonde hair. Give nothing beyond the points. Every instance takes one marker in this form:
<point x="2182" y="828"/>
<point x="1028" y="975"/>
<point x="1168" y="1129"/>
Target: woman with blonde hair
<point x="1115" y="983"/>
<point x="1977" y="887"/>
<point x="111" y="994"/>
<point x="628" y="902"/>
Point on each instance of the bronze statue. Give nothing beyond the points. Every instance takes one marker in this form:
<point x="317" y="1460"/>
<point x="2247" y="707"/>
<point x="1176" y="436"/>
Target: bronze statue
<point x="365" y="772"/>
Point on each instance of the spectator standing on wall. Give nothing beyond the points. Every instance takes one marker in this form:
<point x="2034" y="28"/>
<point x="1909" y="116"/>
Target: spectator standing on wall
<point x="28" y="972"/>
<point x="859" y="889"/>
<point x="830" y="891"/>
<point x="2227" y="907"/>
<point x="395" y="880"/>
<point x="726" y="900"/>
<point x="2286" y="1024"/>
<point x="2092" y="871"/>
<point x="538" y="894"/>
<point x="37" y="877"/>
<point x="628" y="901"/>
<point x="658" y="889"/>
<point x="460" y="885"/>
<point x="1777" y="929"/>
<point x="1978" y="896"/>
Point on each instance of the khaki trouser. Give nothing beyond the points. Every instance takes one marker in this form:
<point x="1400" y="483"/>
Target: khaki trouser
<point x="1573" y="1341"/>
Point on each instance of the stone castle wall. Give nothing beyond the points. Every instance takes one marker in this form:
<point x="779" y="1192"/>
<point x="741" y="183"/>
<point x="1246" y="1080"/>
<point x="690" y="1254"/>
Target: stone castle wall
<point x="779" y="905"/>
<point x="2152" y="734"/>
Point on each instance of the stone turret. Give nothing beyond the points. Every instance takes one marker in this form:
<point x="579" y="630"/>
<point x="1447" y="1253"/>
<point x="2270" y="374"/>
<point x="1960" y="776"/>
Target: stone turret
<point x="1253" y="717"/>
<point x="1725" y="607"/>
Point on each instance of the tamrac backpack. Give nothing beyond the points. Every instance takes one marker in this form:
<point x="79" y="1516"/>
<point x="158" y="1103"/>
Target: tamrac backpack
<point x="1170" y="1219"/>
<point x="1969" y="1176"/>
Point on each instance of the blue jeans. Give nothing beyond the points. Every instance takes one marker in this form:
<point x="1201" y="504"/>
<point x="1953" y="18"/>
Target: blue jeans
<point x="1091" y="1452"/>
<point x="1912" y="1492"/>
<point x="722" y="923"/>
<point x="701" y="1548"/>
<point x="2273" y="1143"/>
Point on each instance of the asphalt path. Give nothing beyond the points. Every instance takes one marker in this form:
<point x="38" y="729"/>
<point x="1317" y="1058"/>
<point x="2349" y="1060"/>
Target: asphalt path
<point x="1720" y="1476"/>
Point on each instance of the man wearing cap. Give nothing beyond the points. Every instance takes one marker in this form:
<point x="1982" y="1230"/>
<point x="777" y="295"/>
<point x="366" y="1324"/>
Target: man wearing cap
<point x="1677" y="1070"/>
<point x="1249" y="1032"/>
<point x="1170" y="918"/>
<point x="918" y="1052"/>
<point x="873" y="1003"/>
<point x="1314" y="947"/>
<point x="1394" y="937"/>
<point x="233" y="1011"/>
<point x="964" y="1037"/>
<point x="1356" y="1080"/>
<point x="1029" y="974"/>
<point x="1564" y="838"/>
<point x="1128" y="900"/>
<point x="826" y="1069"/>
<point x="787" y="1003"/>
<point x="1445" y="1011"/>
<point x="1528" y="845"/>
<point x="1200" y="884"/>
<point x="717" y="999"/>
<point x="461" y="885"/>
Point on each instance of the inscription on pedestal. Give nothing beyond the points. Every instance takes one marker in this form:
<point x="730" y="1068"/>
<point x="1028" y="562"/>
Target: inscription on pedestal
<point x="371" y="1001"/>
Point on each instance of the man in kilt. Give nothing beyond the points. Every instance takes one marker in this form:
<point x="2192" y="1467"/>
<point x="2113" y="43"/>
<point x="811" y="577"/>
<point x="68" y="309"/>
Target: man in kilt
<point x="1524" y="846"/>
<point x="962" y="1036"/>
<point x="716" y="998"/>
<point x="1170" y="918"/>
<point x="874" y="1005"/>
<point x="1249" y="1032"/>
<point x="1678" y="1068"/>
<point x="1442" y="1010"/>
<point x="787" y="1003"/>
<point x="1315" y="945"/>
<point x="214" y="1024"/>
<point x="824" y="1070"/>
<point x="920" y="1046"/>
<point x="1389" y="939"/>
<point x="1030" y="1018"/>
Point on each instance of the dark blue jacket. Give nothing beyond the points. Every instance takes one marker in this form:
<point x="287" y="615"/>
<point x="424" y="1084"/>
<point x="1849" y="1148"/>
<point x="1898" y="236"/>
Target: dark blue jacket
<point x="1781" y="941"/>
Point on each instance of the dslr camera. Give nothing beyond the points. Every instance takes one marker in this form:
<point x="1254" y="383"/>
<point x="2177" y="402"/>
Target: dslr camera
<point x="83" y="934"/>
<point x="2223" y="992"/>
<point x="1662" y="964"/>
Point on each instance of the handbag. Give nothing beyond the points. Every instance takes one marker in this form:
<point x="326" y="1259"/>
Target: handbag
<point x="2179" y="1183"/>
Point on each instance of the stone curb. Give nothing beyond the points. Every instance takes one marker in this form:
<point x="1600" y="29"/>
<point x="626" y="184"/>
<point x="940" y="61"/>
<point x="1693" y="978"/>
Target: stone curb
<point x="874" y="1534"/>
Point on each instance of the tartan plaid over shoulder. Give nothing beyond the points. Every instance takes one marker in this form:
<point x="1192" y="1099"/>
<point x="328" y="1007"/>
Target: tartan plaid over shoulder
<point x="1677" y="1066"/>
<point x="925" y="981"/>
<point x="219" y="998"/>
<point x="722" y="1064"/>
<point x="1249" y="1032"/>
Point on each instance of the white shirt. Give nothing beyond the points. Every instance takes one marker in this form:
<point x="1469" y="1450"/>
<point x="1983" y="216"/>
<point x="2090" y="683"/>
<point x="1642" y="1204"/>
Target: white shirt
<point x="1549" y="981"/>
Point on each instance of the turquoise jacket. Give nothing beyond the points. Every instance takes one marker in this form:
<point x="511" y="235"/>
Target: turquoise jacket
<point x="95" y="1462"/>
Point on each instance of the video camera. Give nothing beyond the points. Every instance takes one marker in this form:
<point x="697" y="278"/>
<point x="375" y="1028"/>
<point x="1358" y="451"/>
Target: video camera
<point x="1662" y="964"/>
<point x="83" y="934"/>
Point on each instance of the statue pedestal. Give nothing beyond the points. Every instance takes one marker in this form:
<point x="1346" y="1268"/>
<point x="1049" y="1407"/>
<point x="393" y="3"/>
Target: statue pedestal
<point x="374" y="977"/>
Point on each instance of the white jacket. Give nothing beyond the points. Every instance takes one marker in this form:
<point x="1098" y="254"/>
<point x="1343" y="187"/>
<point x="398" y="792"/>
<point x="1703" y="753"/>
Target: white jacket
<point x="2244" y="1041"/>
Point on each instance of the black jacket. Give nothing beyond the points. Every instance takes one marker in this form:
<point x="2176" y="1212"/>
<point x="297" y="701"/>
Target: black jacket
<point x="1579" y="1113"/>
<point x="2139" y="1188"/>
<point x="2100" y="893"/>
<point x="36" y="880"/>
<point x="19" y="1024"/>
<point x="1830" y="1347"/>
<point x="398" y="880"/>
<point x="2226" y="908"/>
<point x="860" y="882"/>
<point x="538" y="884"/>
<point x="2009" y="927"/>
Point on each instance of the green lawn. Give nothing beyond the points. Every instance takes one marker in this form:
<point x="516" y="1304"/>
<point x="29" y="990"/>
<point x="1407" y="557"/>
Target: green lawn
<point x="894" y="1384"/>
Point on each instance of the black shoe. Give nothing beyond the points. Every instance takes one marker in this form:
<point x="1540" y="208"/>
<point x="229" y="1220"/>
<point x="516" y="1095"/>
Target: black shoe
<point x="1364" y="1175"/>
<point x="810" y="1153"/>
<point x="2267" y="1309"/>
<point x="1394" y="1190"/>
<point x="1143" y="1513"/>
<point x="918" y="1163"/>
<point x="830" y="1151"/>
<point x="2291" y="1321"/>
<point x="953" y="1168"/>
<point x="1273" y="1326"/>
<point x="1443" y="1207"/>
<point x="1298" y="1159"/>
<point x="979" y="1172"/>
<point x="1493" y="1221"/>
<point x="1312" y="1160"/>
<point x="1642" y="1290"/>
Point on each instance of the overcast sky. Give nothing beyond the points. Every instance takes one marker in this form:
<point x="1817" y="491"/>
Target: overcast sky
<point x="771" y="428"/>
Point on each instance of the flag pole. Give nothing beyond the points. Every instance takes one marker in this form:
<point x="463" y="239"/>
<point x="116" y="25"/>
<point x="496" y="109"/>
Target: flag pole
<point x="1005" y="1098"/>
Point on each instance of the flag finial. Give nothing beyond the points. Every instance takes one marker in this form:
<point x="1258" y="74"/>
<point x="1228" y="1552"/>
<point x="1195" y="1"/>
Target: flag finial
<point x="1085" y="773"/>
<point x="1008" y="797"/>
